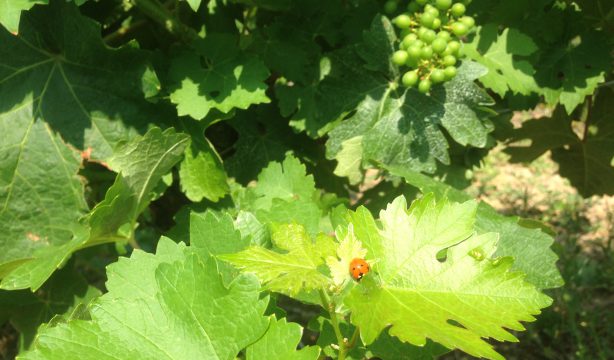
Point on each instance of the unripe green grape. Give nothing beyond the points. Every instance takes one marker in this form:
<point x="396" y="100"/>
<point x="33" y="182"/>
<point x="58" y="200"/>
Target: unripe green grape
<point x="458" y="9"/>
<point x="428" y="36"/>
<point x="408" y="40"/>
<point x="430" y="9"/>
<point x="468" y="21"/>
<point x="443" y="4"/>
<point x="436" y="23"/>
<point x="444" y="35"/>
<point x="390" y="6"/>
<point x="438" y="76"/>
<point x="405" y="32"/>
<point x="424" y="86"/>
<point x="449" y="72"/>
<point x="421" y="31"/>
<point x="419" y="43"/>
<point x="427" y="20"/>
<point x="402" y="21"/>
<point x="422" y="2"/>
<point x="449" y="60"/>
<point x="426" y="53"/>
<point x="453" y="47"/>
<point x="400" y="57"/>
<point x="410" y="78"/>
<point x="459" y="29"/>
<point x="439" y="45"/>
<point x="413" y="52"/>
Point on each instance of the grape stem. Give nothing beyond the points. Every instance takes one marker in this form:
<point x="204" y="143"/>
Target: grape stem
<point x="158" y="13"/>
<point x="343" y="343"/>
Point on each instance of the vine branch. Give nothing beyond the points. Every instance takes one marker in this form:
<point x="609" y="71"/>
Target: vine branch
<point x="158" y="13"/>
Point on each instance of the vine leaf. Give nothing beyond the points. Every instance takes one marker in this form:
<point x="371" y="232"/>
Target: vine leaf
<point x="455" y="302"/>
<point x="280" y="342"/>
<point x="216" y="75"/>
<point x="171" y="305"/>
<point x="586" y="162"/>
<point x="503" y="55"/>
<point x="530" y="247"/>
<point x="295" y="270"/>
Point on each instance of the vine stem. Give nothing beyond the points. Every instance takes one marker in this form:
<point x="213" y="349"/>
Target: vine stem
<point x="329" y="305"/>
<point x="154" y="10"/>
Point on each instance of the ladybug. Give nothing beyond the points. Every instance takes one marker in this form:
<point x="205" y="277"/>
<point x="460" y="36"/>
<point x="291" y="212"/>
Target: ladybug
<point x="359" y="268"/>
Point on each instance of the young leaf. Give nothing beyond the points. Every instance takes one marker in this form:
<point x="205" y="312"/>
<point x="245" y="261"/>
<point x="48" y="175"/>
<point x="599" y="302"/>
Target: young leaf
<point x="454" y="302"/>
<point x="503" y="58"/>
<point x="291" y="272"/>
<point x="279" y="342"/>
<point x="171" y="305"/>
<point x="140" y="164"/>
<point x="229" y="80"/>
<point x="529" y="247"/>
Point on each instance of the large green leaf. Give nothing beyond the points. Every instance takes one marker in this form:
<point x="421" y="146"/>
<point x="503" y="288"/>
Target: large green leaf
<point x="142" y="162"/>
<point x="216" y="75"/>
<point x="404" y="129"/>
<point x="10" y="12"/>
<point x="586" y="161"/>
<point x="171" y="305"/>
<point x="61" y="295"/>
<point x="530" y="247"/>
<point x="503" y="55"/>
<point x="296" y="269"/>
<point x="455" y="302"/>
<point x="59" y="68"/>
<point x="279" y="342"/>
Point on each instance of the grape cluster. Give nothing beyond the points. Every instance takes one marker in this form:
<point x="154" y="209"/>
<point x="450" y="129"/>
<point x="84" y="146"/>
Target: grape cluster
<point x="430" y="32"/>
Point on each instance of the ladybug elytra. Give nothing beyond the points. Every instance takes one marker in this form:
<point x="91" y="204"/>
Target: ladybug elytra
<point x="359" y="268"/>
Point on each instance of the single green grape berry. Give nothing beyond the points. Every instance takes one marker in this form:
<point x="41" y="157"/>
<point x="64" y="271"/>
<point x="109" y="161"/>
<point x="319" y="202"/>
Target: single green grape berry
<point x="405" y="32"/>
<point x="436" y="23"/>
<point x="468" y="21"/>
<point x="402" y="21"/>
<point x="438" y="76"/>
<point x="426" y="53"/>
<point x="458" y="9"/>
<point x="424" y="86"/>
<point x="449" y="72"/>
<point x="413" y="7"/>
<point x="449" y="60"/>
<point x="453" y="47"/>
<point x="427" y="20"/>
<point x="428" y="36"/>
<point x="419" y="43"/>
<point x="422" y="2"/>
<point x="390" y="6"/>
<point x="439" y="45"/>
<point x="431" y="10"/>
<point x="408" y="40"/>
<point x="443" y="4"/>
<point x="410" y="78"/>
<point x="413" y="52"/>
<point x="459" y="29"/>
<point x="400" y="57"/>
<point x="444" y="35"/>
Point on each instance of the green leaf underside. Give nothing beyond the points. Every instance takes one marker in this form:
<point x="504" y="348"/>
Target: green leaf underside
<point x="229" y="80"/>
<point x="421" y="297"/>
<point x="530" y="248"/>
<point x="291" y="272"/>
<point x="280" y="342"/>
<point x="586" y="162"/>
<point x="171" y="305"/>
<point x="506" y="71"/>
